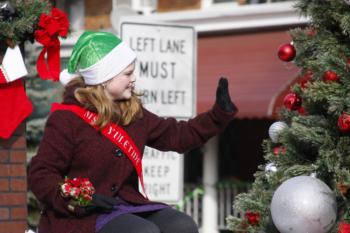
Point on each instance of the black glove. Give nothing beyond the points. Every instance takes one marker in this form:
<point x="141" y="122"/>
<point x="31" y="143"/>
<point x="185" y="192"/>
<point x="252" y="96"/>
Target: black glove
<point x="101" y="203"/>
<point x="223" y="97"/>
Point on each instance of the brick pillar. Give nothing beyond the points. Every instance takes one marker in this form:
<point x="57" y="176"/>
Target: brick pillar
<point x="13" y="183"/>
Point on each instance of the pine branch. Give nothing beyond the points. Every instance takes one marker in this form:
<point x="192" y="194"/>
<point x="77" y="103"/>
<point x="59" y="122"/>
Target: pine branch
<point x="21" y="28"/>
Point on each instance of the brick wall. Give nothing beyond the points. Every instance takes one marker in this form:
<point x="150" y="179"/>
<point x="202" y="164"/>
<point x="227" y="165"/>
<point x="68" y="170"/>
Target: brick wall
<point x="13" y="183"/>
<point x="97" y="12"/>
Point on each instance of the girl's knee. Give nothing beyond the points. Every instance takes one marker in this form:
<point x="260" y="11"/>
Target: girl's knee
<point x="184" y="224"/>
<point x="149" y="229"/>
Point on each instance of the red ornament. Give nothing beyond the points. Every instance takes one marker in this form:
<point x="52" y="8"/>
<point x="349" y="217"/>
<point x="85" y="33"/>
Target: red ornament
<point x="330" y="76"/>
<point x="310" y="32"/>
<point x="279" y="150"/>
<point x="308" y="74"/>
<point x="301" y="111"/>
<point x="343" y="188"/>
<point x="305" y="79"/>
<point x="344" y="227"/>
<point x="286" y="52"/>
<point x="304" y="83"/>
<point x="344" y="122"/>
<point x="253" y="218"/>
<point x="348" y="62"/>
<point x="292" y="101"/>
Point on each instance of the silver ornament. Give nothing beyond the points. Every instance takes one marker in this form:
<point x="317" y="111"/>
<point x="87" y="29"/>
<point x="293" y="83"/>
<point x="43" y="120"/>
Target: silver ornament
<point x="275" y="130"/>
<point x="347" y="2"/>
<point x="303" y="204"/>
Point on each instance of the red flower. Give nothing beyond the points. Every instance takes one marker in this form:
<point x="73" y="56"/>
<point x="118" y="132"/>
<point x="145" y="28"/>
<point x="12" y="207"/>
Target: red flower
<point x="79" y="189"/>
<point x="344" y="227"/>
<point x="344" y="122"/>
<point x="253" y="218"/>
<point x="75" y="192"/>
<point x="75" y="182"/>
<point x="87" y="197"/>
<point x="66" y="189"/>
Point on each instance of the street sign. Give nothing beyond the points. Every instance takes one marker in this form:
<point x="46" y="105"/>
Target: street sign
<point x="163" y="175"/>
<point x="166" y="76"/>
<point x="165" y="66"/>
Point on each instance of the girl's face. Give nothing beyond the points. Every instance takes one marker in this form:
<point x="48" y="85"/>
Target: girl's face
<point x="121" y="86"/>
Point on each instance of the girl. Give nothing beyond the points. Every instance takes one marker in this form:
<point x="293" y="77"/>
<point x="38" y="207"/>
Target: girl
<point x="99" y="133"/>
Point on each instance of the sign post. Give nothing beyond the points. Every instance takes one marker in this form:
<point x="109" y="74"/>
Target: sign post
<point x="166" y="77"/>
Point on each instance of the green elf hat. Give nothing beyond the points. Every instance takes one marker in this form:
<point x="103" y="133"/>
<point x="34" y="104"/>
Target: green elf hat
<point x="97" y="57"/>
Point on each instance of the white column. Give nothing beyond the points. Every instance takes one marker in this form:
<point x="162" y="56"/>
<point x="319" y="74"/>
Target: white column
<point x="135" y="4"/>
<point x="210" y="178"/>
<point x="206" y="4"/>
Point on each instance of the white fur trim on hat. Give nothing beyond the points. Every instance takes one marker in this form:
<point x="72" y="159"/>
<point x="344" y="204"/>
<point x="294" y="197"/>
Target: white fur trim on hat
<point x="66" y="77"/>
<point x="109" y="66"/>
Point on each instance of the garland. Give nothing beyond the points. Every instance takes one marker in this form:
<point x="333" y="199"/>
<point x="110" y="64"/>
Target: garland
<point x="19" y="19"/>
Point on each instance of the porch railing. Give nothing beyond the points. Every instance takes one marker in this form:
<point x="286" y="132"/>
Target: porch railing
<point x="192" y="204"/>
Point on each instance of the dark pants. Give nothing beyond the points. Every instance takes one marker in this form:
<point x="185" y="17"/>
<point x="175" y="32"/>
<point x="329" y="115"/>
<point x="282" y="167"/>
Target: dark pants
<point x="167" y="220"/>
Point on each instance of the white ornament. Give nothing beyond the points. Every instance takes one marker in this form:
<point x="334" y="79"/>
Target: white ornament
<point x="347" y="2"/>
<point x="314" y="175"/>
<point x="303" y="204"/>
<point x="270" y="167"/>
<point x="275" y="130"/>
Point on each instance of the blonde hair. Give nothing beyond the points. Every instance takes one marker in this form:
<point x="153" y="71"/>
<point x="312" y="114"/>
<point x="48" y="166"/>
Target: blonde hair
<point x="121" y="112"/>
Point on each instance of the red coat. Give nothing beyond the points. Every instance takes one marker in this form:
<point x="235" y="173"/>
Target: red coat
<point x="70" y="147"/>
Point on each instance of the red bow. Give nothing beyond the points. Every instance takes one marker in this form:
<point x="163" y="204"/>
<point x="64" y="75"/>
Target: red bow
<point x="50" y="28"/>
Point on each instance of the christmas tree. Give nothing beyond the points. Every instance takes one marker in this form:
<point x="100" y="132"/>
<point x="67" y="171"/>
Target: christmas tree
<point x="304" y="185"/>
